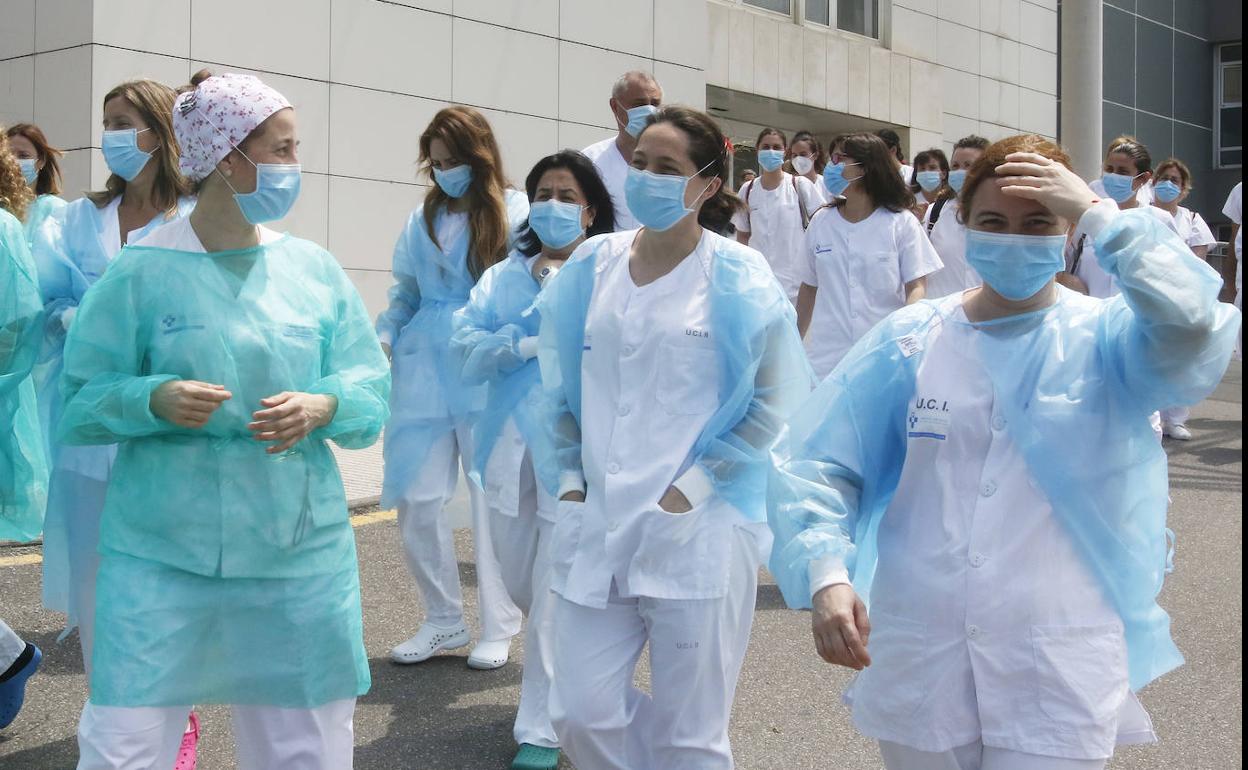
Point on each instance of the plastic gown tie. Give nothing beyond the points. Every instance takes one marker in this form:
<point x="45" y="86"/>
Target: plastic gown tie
<point x="1083" y="367"/>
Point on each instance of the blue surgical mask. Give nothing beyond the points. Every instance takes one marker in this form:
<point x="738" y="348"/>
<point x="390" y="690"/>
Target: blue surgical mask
<point x="957" y="179"/>
<point x="454" y="181"/>
<point x="834" y="177"/>
<point x="1118" y="186"/>
<point x="657" y="201"/>
<point x="556" y="223"/>
<point x="770" y="160"/>
<point x="638" y="117"/>
<point x="928" y="180"/>
<point x="1015" y="266"/>
<point x="122" y="153"/>
<point x="30" y="169"/>
<point x="1167" y="191"/>
<point x="277" y="189"/>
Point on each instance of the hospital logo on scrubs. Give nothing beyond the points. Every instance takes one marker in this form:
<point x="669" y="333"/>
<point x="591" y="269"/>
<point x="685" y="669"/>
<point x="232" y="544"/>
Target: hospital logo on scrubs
<point x="701" y="333"/>
<point x="929" y="418"/>
<point x="171" y="323"/>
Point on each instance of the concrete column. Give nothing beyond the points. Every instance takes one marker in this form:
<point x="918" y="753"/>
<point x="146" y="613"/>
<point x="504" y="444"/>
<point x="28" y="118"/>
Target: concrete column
<point x="1081" y="87"/>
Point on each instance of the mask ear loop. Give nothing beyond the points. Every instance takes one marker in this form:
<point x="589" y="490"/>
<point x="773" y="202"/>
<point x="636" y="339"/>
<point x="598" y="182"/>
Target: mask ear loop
<point x="697" y="174"/>
<point x="226" y="137"/>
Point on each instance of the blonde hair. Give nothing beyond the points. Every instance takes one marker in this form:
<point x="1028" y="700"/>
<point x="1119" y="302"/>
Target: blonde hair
<point x="15" y="194"/>
<point x="154" y="102"/>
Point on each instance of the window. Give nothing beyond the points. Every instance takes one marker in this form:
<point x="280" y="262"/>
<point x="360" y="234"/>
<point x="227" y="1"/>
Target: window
<point x="817" y="12"/>
<point x="1229" y="120"/>
<point x="862" y="17"/>
<point x="779" y="6"/>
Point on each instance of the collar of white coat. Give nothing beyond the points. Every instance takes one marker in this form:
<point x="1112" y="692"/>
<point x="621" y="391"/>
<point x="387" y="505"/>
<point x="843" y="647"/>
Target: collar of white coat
<point x="618" y="245"/>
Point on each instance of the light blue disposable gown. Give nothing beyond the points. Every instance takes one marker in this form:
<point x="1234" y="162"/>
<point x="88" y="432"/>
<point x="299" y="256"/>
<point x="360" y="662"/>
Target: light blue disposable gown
<point x="487" y="337"/>
<point x="1076" y="383"/>
<point x="764" y="374"/>
<point x="43" y="207"/>
<point x="228" y="575"/>
<point x="23" y="464"/>
<point x="429" y="398"/>
<point x="69" y="251"/>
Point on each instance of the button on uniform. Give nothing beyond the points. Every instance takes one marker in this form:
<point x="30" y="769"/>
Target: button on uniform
<point x="613" y="468"/>
<point x="972" y="632"/>
<point x="998" y="422"/>
<point x="624" y="410"/>
<point x="988" y="489"/>
<point x="978" y="560"/>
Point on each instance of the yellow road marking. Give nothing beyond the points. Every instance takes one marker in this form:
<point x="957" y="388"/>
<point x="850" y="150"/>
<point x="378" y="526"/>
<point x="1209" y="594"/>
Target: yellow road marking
<point x="364" y="519"/>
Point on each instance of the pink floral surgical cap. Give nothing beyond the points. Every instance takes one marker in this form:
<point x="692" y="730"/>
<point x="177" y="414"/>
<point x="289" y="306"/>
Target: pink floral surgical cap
<point x="217" y="116"/>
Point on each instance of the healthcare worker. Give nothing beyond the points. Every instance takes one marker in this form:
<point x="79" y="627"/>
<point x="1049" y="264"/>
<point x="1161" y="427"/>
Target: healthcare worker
<point x="1172" y="183"/>
<point x="464" y="227"/>
<point x="222" y="357"/>
<point x="634" y="98"/>
<point x="945" y="228"/>
<point x="72" y="248"/>
<point x="496" y="338"/>
<point x="865" y="254"/>
<point x="807" y="159"/>
<point x="1128" y="167"/>
<point x="893" y="141"/>
<point x="669" y="354"/>
<point x="777" y="208"/>
<point x="980" y="470"/>
<point x="1143" y="193"/>
<point x="41" y="167"/>
<point x="930" y="180"/>
<point x="748" y="175"/>
<point x="23" y="464"/>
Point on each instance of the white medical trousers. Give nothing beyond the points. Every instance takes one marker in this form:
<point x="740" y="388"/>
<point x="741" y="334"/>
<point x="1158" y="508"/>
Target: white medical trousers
<point x="429" y="546"/>
<point x="696" y="650"/>
<point x="11" y="646"/>
<point x="522" y="545"/>
<point x="265" y="737"/>
<point x="977" y="756"/>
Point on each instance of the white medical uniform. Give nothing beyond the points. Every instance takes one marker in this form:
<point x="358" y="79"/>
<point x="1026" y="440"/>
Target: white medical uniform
<point x="625" y="571"/>
<point x="964" y="647"/>
<point x="613" y="168"/>
<point x="11" y="646"/>
<point x="265" y="737"/>
<point x="1100" y="283"/>
<point x="1194" y="232"/>
<point x="117" y="737"/>
<point x="861" y="270"/>
<point x="776" y="226"/>
<point x="948" y="237"/>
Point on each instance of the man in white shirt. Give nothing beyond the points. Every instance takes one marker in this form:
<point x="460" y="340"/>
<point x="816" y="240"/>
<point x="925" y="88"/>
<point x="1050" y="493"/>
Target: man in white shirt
<point x="635" y="96"/>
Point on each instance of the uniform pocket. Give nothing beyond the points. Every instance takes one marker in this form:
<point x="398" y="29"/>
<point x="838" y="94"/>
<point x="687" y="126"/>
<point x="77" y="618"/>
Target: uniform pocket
<point x="882" y="273"/>
<point x="892" y="687"/>
<point x="688" y="378"/>
<point x="1081" y="673"/>
<point x="689" y="551"/>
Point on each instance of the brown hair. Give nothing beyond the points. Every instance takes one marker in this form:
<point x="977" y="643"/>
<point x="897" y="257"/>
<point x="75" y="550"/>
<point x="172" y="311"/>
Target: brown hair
<point x="766" y="132"/>
<point x="938" y="155"/>
<point x="468" y="136"/>
<point x="708" y="151"/>
<point x="972" y="142"/>
<point x="154" y="102"/>
<point x="15" y="194"/>
<point x="1185" y="174"/>
<point x="995" y="154"/>
<point x="880" y="179"/>
<point x="1133" y="149"/>
<point x="49" y="180"/>
<point x="820" y="157"/>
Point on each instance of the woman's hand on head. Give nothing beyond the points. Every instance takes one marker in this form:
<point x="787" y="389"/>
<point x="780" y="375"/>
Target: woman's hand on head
<point x="1057" y="188"/>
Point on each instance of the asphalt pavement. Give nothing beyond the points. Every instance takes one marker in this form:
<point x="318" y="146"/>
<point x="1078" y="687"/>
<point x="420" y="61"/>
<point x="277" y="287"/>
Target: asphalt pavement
<point x="441" y="715"/>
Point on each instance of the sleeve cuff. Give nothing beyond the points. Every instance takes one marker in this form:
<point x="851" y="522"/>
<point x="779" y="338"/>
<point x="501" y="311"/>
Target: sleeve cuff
<point x="1096" y="219"/>
<point x="695" y="485"/>
<point x="827" y="571"/>
<point x="528" y="348"/>
<point x="385" y="337"/>
<point x="570" y="481"/>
